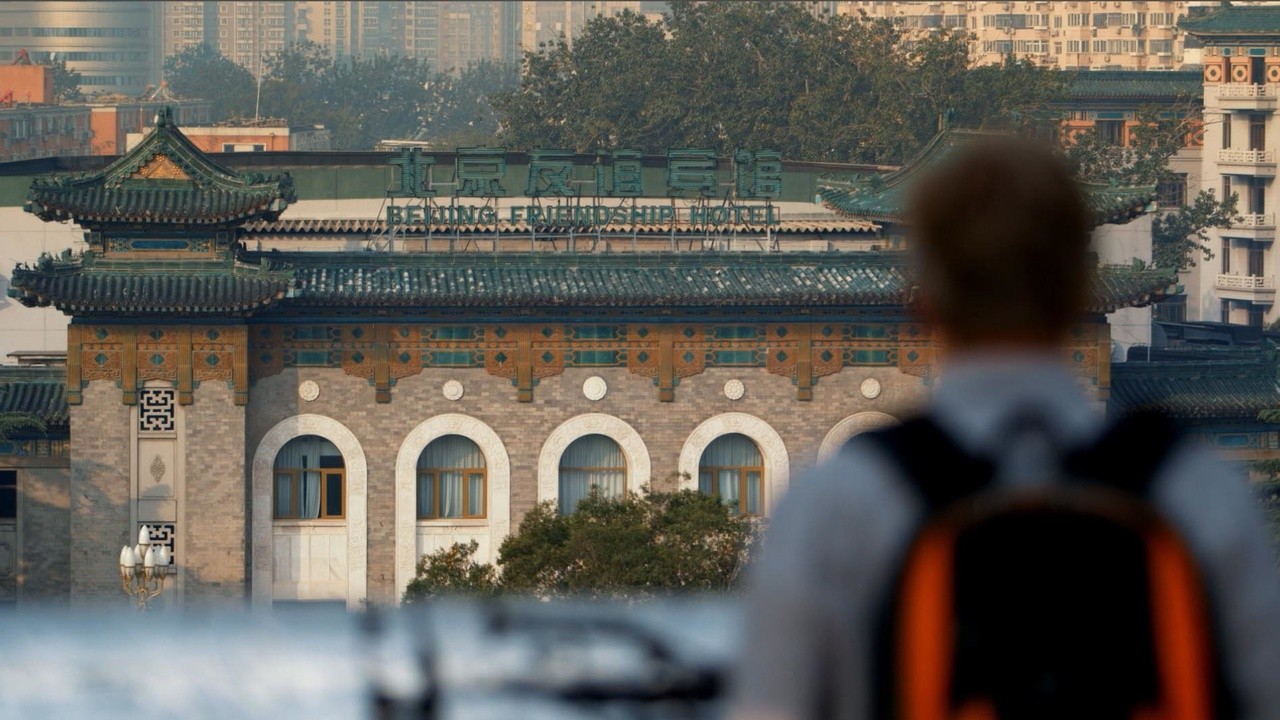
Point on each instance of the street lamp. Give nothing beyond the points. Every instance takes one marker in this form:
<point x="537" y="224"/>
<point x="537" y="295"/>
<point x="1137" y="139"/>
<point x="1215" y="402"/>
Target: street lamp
<point x="144" y="583"/>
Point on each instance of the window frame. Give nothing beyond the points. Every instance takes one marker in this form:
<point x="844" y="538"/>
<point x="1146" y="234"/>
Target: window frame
<point x="6" y="487"/>
<point x="295" y="497"/>
<point x="743" y="471"/>
<point x="561" y="468"/>
<point x="433" y="475"/>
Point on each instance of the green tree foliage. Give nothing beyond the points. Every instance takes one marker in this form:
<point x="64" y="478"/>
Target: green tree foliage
<point x="456" y="111"/>
<point x="451" y="571"/>
<point x="635" y="545"/>
<point x="202" y="72"/>
<point x="360" y="100"/>
<point x="1176" y="236"/>
<point x="66" y="82"/>
<point x="761" y="74"/>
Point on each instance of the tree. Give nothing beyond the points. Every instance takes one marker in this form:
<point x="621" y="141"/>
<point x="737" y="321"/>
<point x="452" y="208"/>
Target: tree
<point x="637" y="544"/>
<point x="1177" y="236"/>
<point x="456" y="111"/>
<point x="66" y="82"/>
<point x="762" y="75"/>
<point x="451" y="571"/>
<point x="201" y="71"/>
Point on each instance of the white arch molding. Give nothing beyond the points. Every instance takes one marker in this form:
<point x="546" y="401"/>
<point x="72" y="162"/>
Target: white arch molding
<point x="633" y="449"/>
<point x="777" y="464"/>
<point x="497" y="494"/>
<point x="357" y="471"/>
<point x="844" y="430"/>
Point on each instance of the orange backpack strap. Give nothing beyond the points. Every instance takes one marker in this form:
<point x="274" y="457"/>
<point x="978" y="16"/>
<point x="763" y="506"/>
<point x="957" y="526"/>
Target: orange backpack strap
<point x="917" y="647"/>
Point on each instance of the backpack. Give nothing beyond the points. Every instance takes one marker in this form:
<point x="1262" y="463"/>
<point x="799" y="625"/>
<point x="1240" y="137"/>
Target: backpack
<point x="1070" y="599"/>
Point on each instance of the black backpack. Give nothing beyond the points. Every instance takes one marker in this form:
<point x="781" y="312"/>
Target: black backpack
<point x="1070" y="599"/>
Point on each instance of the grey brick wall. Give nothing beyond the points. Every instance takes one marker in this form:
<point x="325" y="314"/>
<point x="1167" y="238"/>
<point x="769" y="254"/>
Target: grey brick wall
<point x="44" y="569"/>
<point x="524" y="426"/>
<point x="99" y="493"/>
<point x="216" y="497"/>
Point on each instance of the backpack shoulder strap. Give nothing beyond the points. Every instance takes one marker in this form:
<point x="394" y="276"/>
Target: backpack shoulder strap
<point x="1129" y="454"/>
<point x="938" y="469"/>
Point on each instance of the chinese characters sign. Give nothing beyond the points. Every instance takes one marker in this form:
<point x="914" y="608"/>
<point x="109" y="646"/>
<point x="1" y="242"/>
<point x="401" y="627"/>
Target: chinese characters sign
<point x="690" y="174"/>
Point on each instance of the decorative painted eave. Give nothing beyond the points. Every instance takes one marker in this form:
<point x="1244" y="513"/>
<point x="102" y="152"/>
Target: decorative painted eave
<point x="363" y="226"/>
<point x="165" y="180"/>
<point x="1235" y="22"/>
<point x="84" y="287"/>
<point x="259" y="282"/>
<point x="883" y="198"/>
<point x="39" y="392"/>
<point x="1132" y="86"/>
<point x="1222" y="390"/>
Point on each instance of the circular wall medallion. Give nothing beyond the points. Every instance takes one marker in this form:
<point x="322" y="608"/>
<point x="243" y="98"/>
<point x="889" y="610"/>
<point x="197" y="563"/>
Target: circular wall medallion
<point x="734" y="390"/>
<point x="870" y="388"/>
<point x="595" y="387"/>
<point x="308" y="390"/>
<point x="452" y="390"/>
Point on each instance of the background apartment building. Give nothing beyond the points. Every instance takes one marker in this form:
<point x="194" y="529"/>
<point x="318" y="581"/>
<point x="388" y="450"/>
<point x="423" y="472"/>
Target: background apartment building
<point x="113" y="45"/>
<point x="1086" y="35"/>
<point x="1241" y="91"/>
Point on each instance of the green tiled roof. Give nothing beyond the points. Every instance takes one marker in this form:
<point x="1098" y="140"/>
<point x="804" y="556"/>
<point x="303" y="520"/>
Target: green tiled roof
<point x="38" y="392"/>
<point x="1235" y="20"/>
<point x="81" y="287"/>
<point x="509" y="280"/>
<point x="1196" y="390"/>
<point x="882" y="198"/>
<point x="1135" y="85"/>
<point x="208" y="195"/>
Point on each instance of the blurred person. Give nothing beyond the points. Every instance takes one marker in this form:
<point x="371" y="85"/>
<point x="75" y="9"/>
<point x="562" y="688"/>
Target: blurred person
<point x="1001" y="247"/>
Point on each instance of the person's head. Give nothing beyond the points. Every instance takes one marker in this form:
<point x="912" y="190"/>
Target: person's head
<point x="1000" y="234"/>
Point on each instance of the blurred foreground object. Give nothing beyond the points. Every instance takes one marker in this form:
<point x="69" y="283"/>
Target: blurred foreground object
<point x="559" y="660"/>
<point x="526" y="660"/>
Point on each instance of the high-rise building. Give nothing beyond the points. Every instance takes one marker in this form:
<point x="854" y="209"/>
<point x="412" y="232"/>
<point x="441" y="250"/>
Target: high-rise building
<point x="113" y="45"/>
<point x="471" y="32"/>
<point x="546" y="22"/>
<point x="244" y="32"/>
<point x="1085" y="35"/>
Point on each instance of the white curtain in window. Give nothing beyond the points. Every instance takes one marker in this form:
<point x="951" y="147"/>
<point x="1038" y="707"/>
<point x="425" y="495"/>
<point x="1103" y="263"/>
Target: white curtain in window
<point x="309" y="494"/>
<point x="732" y="450"/>
<point x="304" y="453"/>
<point x="591" y="460"/>
<point x="447" y="458"/>
<point x="729" y="454"/>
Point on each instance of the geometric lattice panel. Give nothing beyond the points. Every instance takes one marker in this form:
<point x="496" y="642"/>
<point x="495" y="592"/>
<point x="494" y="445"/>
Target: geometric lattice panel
<point x="155" y="410"/>
<point x="162" y="534"/>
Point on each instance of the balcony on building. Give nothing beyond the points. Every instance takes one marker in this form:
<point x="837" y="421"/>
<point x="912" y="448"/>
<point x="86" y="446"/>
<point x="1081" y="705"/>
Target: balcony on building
<point x="1248" y="96"/>
<point x="1259" y="227"/>
<point x="1248" y="162"/>
<point x="1260" y="289"/>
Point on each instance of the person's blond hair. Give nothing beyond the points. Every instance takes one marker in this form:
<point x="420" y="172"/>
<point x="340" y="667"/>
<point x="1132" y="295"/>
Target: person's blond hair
<point x="1000" y="233"/>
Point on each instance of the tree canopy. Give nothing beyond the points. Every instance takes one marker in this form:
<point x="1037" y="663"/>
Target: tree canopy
<point x="360" y="100"/>
<point x="761" y="74"/>
<point x="634" y="545"/>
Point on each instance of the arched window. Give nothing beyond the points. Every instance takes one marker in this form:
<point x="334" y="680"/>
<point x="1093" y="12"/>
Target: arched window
<point x="591" y="461"/>
<point x="451" y="479"/>
<point x="310" y="480"/>
<point x="731" y="468"/>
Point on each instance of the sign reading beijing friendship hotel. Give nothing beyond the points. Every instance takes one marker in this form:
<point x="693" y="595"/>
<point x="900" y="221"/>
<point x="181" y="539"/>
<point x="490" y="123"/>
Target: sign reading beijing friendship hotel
<point x="690" y="173"/>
